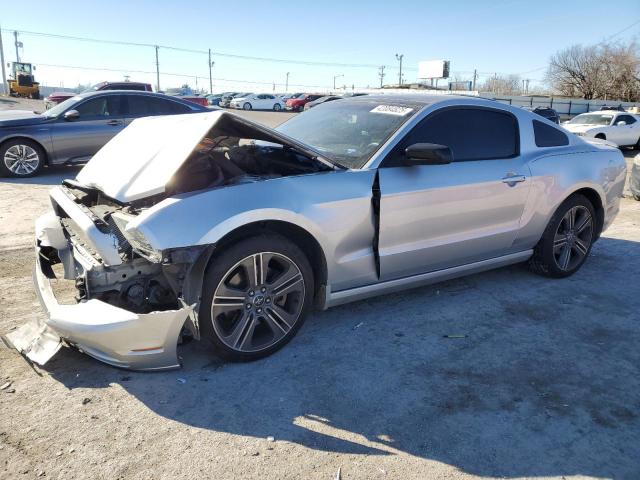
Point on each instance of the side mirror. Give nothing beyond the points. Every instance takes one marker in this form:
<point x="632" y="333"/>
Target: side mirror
<point x="621" y="123"/>
<point x="71" y="115"/>
<point x="427" y="154"/>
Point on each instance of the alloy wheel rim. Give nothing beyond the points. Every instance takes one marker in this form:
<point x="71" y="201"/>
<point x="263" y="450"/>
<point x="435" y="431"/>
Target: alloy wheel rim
<point x="21" y="159"/>
<point x="573" y="236"/>
<point x="257" y="302"/>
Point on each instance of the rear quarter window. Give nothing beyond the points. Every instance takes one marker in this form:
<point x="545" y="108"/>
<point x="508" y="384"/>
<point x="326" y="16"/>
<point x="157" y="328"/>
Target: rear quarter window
<point x="548" y="136"/>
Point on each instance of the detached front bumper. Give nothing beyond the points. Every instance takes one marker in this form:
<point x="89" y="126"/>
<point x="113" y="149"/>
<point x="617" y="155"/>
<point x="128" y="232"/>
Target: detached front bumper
<point x="108" y="333"/>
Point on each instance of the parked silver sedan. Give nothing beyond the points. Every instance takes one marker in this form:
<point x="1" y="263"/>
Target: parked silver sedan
<point x="74" y="130"/>
<point x="216" y="227"/>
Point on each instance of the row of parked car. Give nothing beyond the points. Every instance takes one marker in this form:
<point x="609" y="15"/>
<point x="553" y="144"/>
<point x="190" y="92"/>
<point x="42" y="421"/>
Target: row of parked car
<point x="293" y="102"/>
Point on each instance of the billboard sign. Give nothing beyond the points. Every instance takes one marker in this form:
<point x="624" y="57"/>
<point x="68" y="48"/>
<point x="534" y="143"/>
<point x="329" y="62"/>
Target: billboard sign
<point x="433" y="69"/>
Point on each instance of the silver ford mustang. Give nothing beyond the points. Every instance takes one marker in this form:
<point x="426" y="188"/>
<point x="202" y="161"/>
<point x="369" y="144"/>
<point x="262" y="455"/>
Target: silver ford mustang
<point x="211" y="226"/>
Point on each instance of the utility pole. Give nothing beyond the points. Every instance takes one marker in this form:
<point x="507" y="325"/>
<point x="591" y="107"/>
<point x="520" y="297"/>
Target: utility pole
<point x="475" y="77"/>
<point x="523" y="91"/>
<point x="15" y="35"/>
<point x="334" y="79"/>
<point x="4" y="74"/>
<point x="527" y="86"/>
<point x="157" y="71"/>
<point x="210" y="75"/>
<point x="399" y="58"/>
<point x="381" y="74"/>
<point x="286" y="84"/>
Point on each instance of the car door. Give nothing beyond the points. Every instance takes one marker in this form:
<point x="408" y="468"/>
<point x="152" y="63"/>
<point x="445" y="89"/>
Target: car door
<point x="626" y="134"/>
<point x="434" y="217"/>
<point x="99" y="119"/>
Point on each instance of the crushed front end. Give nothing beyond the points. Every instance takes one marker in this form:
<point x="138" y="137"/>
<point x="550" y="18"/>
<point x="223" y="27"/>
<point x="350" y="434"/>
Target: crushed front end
<point x="128" y="311"/>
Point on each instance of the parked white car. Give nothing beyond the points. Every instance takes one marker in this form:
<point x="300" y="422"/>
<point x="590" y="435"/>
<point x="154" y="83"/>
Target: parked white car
<point x="258" y="101"/>
<point x="621" y="128"/>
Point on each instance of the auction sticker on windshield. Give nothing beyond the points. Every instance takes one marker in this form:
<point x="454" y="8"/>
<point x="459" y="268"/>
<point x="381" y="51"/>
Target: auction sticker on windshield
<point x="392" y="110"/>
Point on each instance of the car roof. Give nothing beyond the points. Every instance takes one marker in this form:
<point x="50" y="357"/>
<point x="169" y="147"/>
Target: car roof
<point x="413" y="100"/>
<point x="137" y="92"/>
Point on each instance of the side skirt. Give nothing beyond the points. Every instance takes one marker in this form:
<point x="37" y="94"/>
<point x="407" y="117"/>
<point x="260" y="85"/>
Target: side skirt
<point x="359" y="293"/>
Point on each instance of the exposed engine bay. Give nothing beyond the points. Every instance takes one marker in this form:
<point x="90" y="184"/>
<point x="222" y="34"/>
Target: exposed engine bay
<point x="143" y="281"/>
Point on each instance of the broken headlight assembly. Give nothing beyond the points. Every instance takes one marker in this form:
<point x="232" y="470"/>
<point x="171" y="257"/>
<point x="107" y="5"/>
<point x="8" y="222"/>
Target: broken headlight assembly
<point x="136" y="238"/>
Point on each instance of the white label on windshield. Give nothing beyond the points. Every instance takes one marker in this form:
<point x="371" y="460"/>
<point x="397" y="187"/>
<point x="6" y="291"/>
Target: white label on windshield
<point x="392" y="110"/>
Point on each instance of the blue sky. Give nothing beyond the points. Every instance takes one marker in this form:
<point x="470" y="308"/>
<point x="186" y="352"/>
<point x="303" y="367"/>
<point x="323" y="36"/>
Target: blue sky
<point x="504" y="36"/>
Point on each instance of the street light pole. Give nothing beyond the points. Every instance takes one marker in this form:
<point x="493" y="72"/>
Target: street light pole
<point x="286" y="84"/>
<point x="5" y="87"/>
<point x="210" y="75"/>
<point x="334" y="79"/>
<point x="399" y="58"/>
<point x="15" y="36"/>
<point x="157" y="71"/>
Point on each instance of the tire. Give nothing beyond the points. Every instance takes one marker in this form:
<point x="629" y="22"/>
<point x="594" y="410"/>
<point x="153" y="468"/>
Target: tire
<point x="27" y="165"/>
<point x="35" y="96"/>
<point x="252" y="319"/>
<point x="565" y="246"/>
<point x="277" y="107"/>
<point x="247" y="106"/>
<point x="637" y="145"/>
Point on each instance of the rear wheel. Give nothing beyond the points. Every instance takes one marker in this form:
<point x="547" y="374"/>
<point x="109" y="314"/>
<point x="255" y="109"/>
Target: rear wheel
<point x="21" y="158"/>
<point x="277" y="107"/>
<point x="567" y="240"/>
<point x="247" y="106"/>
<point x="255" y="298"/>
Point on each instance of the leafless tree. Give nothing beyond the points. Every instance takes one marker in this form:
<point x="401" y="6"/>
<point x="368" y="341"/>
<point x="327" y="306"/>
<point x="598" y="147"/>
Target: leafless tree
<point x="608" y="71"/>
<point x="503" y="85"/>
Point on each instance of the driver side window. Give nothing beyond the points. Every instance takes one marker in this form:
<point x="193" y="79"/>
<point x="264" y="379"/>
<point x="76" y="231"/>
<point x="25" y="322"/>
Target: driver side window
<point x="100" y="107"/>
<point x="471" y="133"/>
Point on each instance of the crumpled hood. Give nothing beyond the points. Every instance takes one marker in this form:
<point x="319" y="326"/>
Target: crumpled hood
<point x="139" y="161"/>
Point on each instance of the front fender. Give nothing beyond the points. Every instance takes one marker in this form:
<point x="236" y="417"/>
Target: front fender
<point x="334" y="207"/>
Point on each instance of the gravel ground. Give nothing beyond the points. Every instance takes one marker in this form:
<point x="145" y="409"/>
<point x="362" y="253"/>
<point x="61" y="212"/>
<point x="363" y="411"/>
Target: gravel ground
<point x="544" y="383"/>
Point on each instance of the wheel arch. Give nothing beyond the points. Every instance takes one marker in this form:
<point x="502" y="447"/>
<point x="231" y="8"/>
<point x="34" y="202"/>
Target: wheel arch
<point x="596" y="200"/>
<point x="31" y="139"/>
<point x="298" y="235"/>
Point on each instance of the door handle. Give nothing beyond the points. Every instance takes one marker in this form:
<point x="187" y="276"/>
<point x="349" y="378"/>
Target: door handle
<point x="114" y="122"/>
<point x="511" y="180"/>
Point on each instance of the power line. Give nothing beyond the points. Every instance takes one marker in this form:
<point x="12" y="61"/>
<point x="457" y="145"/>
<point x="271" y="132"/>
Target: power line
<point x="189" y="50"/>
<point x="173" y="74"/>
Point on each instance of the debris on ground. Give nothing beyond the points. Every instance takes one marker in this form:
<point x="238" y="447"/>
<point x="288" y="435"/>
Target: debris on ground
<point x="455" y="336"/>
<point x="85" y="400"/>
<point x="358" y="325"/>
<point x="270" y="439"/>
<point x="339" y="474"/>
<point x="5" y="386"/>
<point x="182" y="380"/>
<point x="11" y="390"/>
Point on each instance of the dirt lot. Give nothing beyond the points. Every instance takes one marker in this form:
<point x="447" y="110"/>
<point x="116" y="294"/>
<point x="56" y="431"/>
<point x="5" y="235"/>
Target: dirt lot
<point x="545" y="383"/>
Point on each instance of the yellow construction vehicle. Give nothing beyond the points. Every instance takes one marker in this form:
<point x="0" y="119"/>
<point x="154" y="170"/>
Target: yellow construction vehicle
<point x="22" y="83"/>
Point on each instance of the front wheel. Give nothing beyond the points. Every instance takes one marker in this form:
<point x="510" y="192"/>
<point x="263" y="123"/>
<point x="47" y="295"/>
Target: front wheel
<point x="255" y="298"/>
<point x="277" y="107"/>
<point x="247" y="106"/>
<point x="21" y="158"/>
<point x="567" y="240"/>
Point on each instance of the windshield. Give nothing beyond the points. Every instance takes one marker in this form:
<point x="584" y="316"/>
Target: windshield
<point x="61" y="107"/>
<point x="347" y="132"/>
<point x="592" y="119"/>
